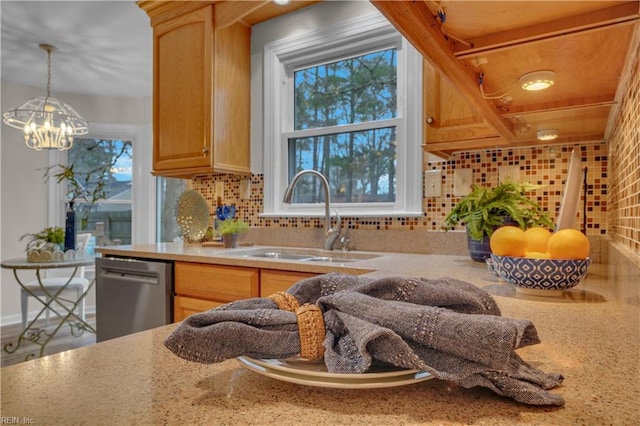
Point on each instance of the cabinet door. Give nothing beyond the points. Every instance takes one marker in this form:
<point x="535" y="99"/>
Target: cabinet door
<point x="182" y="92"/>
<point x="186" y="306"/>
<point x="451" y="123"/>
<point x="215" y="282"/>
<point x="232" y="100"/>
<point x="272" y="281"/>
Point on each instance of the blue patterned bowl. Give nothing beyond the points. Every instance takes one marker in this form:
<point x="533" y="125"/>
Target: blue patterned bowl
<point x="553" y="275"/>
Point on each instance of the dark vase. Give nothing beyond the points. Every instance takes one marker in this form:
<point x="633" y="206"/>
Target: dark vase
<point x="230" y="240"/>
<point x="478" y="250"/>
<point x="70" y="228"/>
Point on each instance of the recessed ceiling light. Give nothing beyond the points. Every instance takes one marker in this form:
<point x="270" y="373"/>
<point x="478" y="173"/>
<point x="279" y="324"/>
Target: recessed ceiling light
<point x="537" y="80"/>
<point x="281" y="2"/>
<point x="547" y="135"/>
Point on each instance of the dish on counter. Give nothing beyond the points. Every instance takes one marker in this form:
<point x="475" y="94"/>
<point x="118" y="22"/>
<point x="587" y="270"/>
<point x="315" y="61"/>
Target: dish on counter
<point x="309" y="373"/>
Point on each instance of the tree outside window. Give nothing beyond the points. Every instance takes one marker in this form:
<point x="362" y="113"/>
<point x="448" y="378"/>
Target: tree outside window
<point x="98" y="176"/>
<point x="344" y="100"/>
<point x="360" y="165"/>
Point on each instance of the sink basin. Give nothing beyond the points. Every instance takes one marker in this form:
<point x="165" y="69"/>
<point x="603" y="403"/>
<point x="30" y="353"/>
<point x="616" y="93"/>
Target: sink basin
<point x="303" y="255"/>
<point x="279" y="255"/>
<point x="331" y="259"/>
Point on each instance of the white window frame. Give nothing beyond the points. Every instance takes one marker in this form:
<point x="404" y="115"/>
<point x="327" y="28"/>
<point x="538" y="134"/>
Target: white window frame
<point x="356" y="36"/>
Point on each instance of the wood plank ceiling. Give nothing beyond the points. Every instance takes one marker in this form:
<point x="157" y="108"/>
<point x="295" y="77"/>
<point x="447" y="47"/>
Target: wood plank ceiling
<point x="586" y="43"/>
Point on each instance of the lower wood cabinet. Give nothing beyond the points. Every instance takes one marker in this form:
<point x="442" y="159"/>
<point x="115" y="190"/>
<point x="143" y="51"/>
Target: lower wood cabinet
<point x="273" y="281"/>
<point x="199" y="287"/>
<point x="185" y="306"/>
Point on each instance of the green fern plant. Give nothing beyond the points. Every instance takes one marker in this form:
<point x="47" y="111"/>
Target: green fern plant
<point x="484" y="209"/>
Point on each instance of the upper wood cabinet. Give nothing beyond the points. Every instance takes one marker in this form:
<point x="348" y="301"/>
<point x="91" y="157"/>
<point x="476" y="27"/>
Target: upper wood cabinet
<point x="201" y="100"/>
<point x="451" y="123"/>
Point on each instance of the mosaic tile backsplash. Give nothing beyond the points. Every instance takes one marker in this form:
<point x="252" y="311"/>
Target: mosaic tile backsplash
<point x="610" y="206"/>
<point x="546" y="165"/>
<point x="623" y="213"/>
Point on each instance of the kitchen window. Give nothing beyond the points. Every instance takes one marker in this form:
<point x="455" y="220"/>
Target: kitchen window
<point x="346" y="101"/>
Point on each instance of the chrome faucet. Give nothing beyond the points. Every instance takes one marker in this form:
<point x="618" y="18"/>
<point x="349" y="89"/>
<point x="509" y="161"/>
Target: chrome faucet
<point x="330" y="234"/>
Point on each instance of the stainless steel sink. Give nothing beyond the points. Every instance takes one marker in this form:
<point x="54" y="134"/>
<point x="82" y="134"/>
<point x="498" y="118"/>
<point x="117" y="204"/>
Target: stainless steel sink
<point x="303" y="255"/>
<point x="278" y="255"/>
<point x="331" y="259"/>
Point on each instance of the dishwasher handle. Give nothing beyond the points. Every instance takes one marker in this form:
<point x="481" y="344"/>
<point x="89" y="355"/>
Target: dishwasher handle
<point x="115" y="275"/>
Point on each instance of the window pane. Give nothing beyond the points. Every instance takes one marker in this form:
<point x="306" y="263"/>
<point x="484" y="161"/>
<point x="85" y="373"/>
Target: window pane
<point x="360" y="166"/>
<point x="354" y="90"/>
<point x="103" y="167"/>
<point x="102" y="171"/>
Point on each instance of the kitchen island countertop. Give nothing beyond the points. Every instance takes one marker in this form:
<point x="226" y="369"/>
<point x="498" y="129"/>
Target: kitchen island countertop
<point x="590" y="335"/>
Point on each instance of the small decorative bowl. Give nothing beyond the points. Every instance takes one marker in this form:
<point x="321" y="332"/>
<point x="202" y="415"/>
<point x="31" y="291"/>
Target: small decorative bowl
<point x="542" y="277"/>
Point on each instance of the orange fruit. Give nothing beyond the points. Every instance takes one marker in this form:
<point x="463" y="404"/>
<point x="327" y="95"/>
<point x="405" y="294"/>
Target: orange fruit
<point x="537" y="239"/>
<point x="508" y="241"/>
<point x="537" y="255"/>
<point x="568" y="244"/>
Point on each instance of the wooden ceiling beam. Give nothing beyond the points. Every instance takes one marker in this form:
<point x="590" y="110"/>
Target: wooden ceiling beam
<point x="623" y="14"/>
<point x="416" y="23"/>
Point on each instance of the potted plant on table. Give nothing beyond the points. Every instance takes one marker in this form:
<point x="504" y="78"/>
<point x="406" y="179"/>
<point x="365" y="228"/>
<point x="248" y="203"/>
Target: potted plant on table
<point x="485" y="209"/>
<point x="44" y="245"/>
<point x="229" y="229"/>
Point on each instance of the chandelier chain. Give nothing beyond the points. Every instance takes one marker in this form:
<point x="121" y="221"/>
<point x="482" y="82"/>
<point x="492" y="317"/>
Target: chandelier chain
<point x="48" y="73"/>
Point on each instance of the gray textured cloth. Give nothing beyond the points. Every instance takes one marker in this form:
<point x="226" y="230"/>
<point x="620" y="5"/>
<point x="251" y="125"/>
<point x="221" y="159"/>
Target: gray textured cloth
<point x="445" y="326"/>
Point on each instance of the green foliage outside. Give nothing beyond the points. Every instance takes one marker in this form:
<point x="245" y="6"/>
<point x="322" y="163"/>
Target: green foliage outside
<point x="359" y="165"/>
<point x="90" y="174"/>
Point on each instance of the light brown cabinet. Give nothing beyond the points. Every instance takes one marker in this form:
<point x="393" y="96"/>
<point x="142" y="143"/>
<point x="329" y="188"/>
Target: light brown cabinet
<point x="199" y="287"/>
<point x="201" y="98"/>
<point x="451" y="123"/>
<point x="186" y="306"/>
<point x="272" y="281"/>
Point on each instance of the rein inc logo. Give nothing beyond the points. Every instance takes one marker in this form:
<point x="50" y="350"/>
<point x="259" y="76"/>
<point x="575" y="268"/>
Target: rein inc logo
<point x="6" y="420"/>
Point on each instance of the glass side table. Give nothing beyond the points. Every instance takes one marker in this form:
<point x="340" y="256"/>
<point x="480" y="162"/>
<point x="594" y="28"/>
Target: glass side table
<point x="63" y="308"/>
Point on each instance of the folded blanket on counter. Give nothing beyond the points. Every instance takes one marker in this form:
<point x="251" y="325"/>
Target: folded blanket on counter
<point x="448" y="327"/>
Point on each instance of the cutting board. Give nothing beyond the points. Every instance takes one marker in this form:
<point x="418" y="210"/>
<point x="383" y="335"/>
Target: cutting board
<point x="571" y="196"/>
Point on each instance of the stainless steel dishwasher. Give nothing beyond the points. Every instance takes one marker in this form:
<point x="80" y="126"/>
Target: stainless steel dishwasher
<point x="131" y="295"/>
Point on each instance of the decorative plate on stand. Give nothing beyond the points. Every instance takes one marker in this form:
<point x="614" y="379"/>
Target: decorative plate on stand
<point x="192" y="214"/>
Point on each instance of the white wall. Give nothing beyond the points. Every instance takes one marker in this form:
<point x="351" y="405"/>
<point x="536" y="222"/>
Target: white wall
<point x="23" y="191"/>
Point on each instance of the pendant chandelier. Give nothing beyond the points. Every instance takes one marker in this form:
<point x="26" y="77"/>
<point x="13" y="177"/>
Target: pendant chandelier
<point x="47" y="123"/>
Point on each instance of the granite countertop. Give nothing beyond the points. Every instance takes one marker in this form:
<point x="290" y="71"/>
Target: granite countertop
<point x="589" y="334"/>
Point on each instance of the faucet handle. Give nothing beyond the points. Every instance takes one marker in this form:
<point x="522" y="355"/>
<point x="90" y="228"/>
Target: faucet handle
<point x="338" y="227"/>
<point x="345" y="243"/>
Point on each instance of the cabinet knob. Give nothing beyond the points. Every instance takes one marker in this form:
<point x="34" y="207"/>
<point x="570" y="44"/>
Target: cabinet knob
<point x="205" y="150"/>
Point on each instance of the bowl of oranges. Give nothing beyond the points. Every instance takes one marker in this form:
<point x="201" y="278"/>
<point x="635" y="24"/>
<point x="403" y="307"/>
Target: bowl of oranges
<point x="538" y="261"/>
